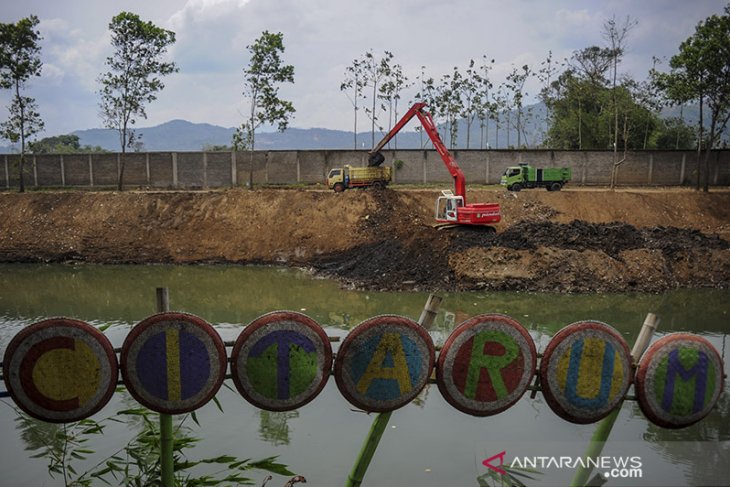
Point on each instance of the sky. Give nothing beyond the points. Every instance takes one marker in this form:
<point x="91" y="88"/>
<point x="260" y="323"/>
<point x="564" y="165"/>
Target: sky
<point x="322" y="38"/>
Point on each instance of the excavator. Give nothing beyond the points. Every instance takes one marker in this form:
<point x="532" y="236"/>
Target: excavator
<point x="451" y="206"/>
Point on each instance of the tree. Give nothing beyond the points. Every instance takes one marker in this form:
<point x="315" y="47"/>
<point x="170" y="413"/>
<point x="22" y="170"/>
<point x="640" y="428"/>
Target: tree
<point x="20" y="61"/>
<point x="616" y="35"/>
<point x="374" y="71"/>
<point x="263" y="75"/>
<point x="516" y="86"/>
<point x="485" y="110"/>
<point x="62" y="144"/>
<point x="390" y="91"/>
<point x="548" y="69"/>
<point x="134" y="79"/>
<point x="701" y="72"/>
<point x="354" y="80"/>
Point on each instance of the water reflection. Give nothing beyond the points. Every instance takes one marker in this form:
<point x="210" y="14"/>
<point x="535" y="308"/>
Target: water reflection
<point x="703" y="446"/>
<point x="274" y="426"/>
<point x="229" y="296"/>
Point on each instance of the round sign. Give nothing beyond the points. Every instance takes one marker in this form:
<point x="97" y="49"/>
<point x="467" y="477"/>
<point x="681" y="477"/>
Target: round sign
<point x="585" y="371"/>
<point x="60" y="370"/>
<point x="173" y="362"/>
<point x="384" y="363"/>
<point x="486" y="364"/>
<point x="281" y="361"/>
<point x="679" y="380"/>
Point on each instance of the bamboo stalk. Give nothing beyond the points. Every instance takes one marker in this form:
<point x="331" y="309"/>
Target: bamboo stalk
<point x="600" y="436"/>
<point x="167" y="466"/>
<point x="372" y="440"/>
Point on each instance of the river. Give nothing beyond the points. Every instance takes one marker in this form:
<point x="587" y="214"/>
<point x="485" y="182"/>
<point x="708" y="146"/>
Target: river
<point x="428" y="442"/>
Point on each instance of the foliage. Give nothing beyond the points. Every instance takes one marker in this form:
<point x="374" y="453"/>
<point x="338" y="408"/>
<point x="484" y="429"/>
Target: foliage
<point x="62" y="144"/>
<point x="674" y="133"/>
<point x="582" y="119"/>
<point x="136" y="463"/>
<point x="263" y="75"/>
<point x="513" y="477"/>
<point x="134" y="78"/>
<point x="700" y="71"/>
<point x="20" y="61"/>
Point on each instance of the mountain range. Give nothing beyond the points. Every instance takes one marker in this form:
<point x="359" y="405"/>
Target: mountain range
<point x="182" y="135"/>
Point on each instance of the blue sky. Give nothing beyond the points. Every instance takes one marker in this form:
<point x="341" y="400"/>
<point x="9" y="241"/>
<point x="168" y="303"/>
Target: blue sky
<point x="322" y="37"/>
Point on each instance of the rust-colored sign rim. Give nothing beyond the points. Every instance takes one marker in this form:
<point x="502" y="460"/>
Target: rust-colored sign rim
<point x="454" y="343"/>
<point x="14" y="365"/>
<point x="568" y="335"/>
<point x="143" y="331"/>
<point x="369" y="326"/>
<point x="644" y="380"/>
<point x="282" y="321"/>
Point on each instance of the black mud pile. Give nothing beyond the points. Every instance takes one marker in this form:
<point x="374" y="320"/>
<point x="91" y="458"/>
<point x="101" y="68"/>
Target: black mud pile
<point x="420" y="260"/>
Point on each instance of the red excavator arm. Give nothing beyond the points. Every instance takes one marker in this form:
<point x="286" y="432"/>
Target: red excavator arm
<point x="450" y="208"/>
<point x="429" y="126"/>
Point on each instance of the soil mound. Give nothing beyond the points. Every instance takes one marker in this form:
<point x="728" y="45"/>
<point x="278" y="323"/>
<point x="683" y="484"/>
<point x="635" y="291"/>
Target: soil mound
<point x="582" y="240"/>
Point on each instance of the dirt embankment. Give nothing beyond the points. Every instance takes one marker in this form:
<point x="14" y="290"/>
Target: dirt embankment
<point x="577" y="241"/>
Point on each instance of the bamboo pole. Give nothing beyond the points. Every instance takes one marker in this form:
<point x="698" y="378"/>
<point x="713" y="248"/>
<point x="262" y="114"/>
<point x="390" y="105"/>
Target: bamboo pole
<point x="600" y="436"/>
<point x="167" y="466"/>
<point x="372" y="440"/>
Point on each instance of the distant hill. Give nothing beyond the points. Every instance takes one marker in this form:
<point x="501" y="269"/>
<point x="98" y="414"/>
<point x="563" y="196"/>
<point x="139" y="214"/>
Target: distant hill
<point x="181" y="135"/>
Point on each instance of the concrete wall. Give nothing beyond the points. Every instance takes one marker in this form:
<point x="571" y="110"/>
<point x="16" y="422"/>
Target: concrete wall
<point x="223" y="169"/>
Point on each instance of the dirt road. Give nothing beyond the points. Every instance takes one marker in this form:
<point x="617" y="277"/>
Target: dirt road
<point x="581" y="240"/>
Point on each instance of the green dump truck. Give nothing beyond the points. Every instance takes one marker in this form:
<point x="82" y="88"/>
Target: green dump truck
<point x="342" y="178"/>
<point x="526" y="176"/>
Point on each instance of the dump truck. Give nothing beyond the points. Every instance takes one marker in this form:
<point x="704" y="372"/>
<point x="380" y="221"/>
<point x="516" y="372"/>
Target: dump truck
<point x="342" y="178"/>
<point x="526" y="176"/>
<point x="451" y="207"/>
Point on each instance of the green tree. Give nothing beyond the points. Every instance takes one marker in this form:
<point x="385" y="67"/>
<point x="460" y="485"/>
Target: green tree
<point x="19" y="61"/>
<point x="62" y="144"/>
<point x="263" y="75"/>
<point x="701" y="72"/>
<point x="674" y="133"/>
<point x="135" y="75"/>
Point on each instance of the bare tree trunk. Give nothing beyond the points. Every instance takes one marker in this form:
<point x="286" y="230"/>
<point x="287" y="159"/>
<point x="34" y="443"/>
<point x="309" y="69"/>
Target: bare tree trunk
<point x="699" y="143"/>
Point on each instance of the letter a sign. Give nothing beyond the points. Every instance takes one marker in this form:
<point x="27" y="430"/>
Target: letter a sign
<point x="384" y="363"/>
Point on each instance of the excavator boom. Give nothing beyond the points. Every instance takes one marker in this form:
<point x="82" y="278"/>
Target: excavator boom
<point x="429" y="126"/>
<point x="451" y="208"/>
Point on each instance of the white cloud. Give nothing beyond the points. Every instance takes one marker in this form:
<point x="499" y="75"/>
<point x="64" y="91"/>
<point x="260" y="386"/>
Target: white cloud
<point x="322" y="37"/>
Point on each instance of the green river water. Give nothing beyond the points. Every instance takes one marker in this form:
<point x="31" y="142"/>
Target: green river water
<point x="428" y="442"/>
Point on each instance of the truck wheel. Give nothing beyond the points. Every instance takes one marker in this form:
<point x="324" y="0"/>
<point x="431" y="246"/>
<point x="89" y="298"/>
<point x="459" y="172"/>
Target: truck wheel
<point x="555" y="187"/>
<point x="339" y="187"/>
<point x="516" y="187"/>
<point x="378" y="185"/>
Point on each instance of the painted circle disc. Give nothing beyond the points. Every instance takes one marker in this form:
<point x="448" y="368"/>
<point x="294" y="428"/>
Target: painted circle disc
<point x="486" y="364"/>
<point x="60" y="370"/>
<point x="679" y="380"/>
<point x="173" y="362"/>
<point x="384" y="363"/>
<point x="281" y="361"/>
<point x="585" y="371"/>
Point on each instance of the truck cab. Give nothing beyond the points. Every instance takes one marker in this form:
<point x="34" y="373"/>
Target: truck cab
<point x="516" y="178"/>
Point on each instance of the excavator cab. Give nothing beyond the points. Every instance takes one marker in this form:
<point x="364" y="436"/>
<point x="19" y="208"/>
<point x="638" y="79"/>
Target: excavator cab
<point x="447" y="206"/>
